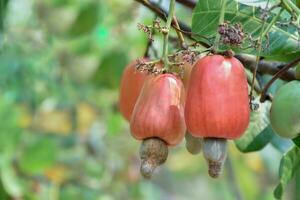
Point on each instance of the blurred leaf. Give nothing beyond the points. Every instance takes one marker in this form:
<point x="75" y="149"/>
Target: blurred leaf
<point x="114" y="124"/>
<point x="288" y="166"/>
<point x="3" y="5"/>
<point x="110" y="70"/>
<point x="78" y="192"/>
<point x="297" y="185"/>
<point x="86" y="20"/>
<point x="259" y="132"/>
<point x="57" y="174"/>
<point x="10" y="131"/>
<point x="297" y="141"/>
<point x="9" y="179"/>
<point x="281" y="144"/>
<point x="39" y="155"/>
<point x="3" y="194"/>
<point x="205" y="22"/>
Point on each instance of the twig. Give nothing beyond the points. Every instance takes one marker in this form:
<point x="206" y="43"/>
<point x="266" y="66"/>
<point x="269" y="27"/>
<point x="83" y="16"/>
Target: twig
<point x="166" y="32"/>
<point x="262" y="32"/>
<point x="161" y="13"/>
<point x="276" y="76"/>
<point x="188" y="3"/>
<point x="179" y="33"/>
<point x="264" y="67"/>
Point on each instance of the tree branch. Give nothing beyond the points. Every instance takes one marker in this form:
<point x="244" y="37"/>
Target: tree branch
<point x="264" y="67"/>
<point x="276" y="76"/>
<point x="188" y="3"/>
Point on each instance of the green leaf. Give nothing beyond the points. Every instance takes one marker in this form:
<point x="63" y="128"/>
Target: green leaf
<point x="259" y="132"/>
<point x="114" y="125"/>
<point x="288" y="166"/>
<point x="10" y="131"/>
<point x="111" y="68"/>
<point x="3" y="193"/>
<point x="86" y="20"/>
<point x="297" y="141"/>
<point x="9" y="179"/>
<point x="38" y="156"/>
<point x="205" y="22"/>
<point x="281" y="144"/>
<point x="259" y="3"/>
<point x="297" y="185"/>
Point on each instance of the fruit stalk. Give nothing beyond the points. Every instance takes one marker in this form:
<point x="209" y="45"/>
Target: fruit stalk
<point x="221" y="20"/>
<point x="165" y="32"/>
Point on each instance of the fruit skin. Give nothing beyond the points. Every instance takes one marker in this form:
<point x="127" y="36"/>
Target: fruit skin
<point x="159" y="110"/>
<point x="187" y="74"/>
<point x="131" y="84"/>
<point x="217" y="102"/>
<point x="285" y="110"/>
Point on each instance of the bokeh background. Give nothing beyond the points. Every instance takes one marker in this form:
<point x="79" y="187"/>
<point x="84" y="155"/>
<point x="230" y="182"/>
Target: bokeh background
<point x="61" y="135"/>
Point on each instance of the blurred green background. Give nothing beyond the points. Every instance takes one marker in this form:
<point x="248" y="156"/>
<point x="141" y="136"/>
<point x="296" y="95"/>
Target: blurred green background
<point x="61" y="135"/>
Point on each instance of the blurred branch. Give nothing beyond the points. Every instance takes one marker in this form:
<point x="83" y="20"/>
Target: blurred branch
<point x="264" y="67"/>
<point x="188" y="3"/>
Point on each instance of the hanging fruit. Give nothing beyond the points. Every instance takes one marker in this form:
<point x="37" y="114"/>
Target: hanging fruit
<point x="193" y="144"/>
<point x="217" y="105"/>
<point x="158" y="119"/>
<point x="285" y="110"/>
<point x="131" y="85"/>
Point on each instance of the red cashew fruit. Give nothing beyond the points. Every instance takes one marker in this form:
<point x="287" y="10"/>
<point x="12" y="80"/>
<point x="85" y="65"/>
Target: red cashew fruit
<point x="217" y="105"/>
<point x="158" y="119"/>
<point x="131" y="84"/>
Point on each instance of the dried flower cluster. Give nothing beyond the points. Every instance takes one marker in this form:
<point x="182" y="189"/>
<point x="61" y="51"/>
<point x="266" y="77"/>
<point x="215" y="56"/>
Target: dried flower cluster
<point x="188" y="56"/>
<point x="231" y="34"/>
<point x="149" y="30"/>
<point x="149" y="67"/>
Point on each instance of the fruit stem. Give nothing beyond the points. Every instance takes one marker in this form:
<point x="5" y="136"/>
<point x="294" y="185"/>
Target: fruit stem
<point x="276" y="76"/>
<point x="183" y="45"/>
<point x="221" y="21"/>
<point x="259" y="48"/>
<point x="153" y="152"/>
<point x="215" y="153"/>
<point x="272" y="23"/>
<point x="165" y="32"/>
<point x="291" y="7"/>
<point x="193" y="144"/>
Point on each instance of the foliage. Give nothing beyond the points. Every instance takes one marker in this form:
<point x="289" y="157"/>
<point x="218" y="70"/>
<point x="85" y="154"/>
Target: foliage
<point x="61" y="135"/>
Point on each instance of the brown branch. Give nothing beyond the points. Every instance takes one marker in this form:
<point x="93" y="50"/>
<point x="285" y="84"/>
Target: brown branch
<point x="161" y="13"/>
<point x="154" y="7"/>
<point x="179" y="34"/>
<point x="264" y="67"/>
<point x="188" y="3"/>
<point x="276" y="76"/>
